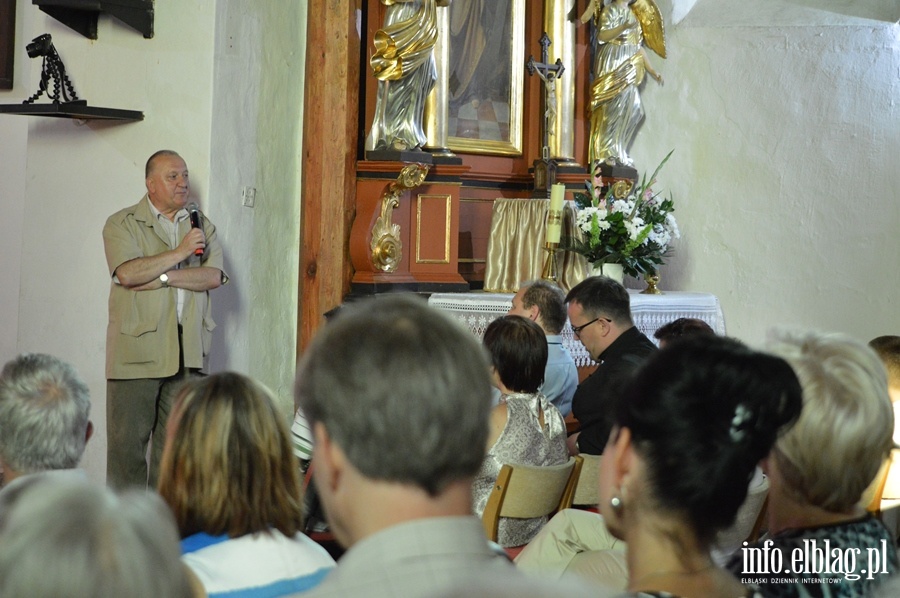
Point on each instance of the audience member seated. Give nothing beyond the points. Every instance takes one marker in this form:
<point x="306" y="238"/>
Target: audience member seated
<point x="44" y="417"/>
<point x="231" y="479"/>
<point x="600" y="315"/>
<point x="525" y="428"/>
<point x="60" y="536"/>
<point x="682" y="327"/>
<point x="696" y="420"/>
<point x="544" y="303"/>
<point x="398" y="397"/>
<point x="819" y="469"/>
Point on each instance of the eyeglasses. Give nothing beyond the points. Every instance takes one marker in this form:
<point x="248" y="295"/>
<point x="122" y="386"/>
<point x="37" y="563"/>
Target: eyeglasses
<point x="576" y="330"/>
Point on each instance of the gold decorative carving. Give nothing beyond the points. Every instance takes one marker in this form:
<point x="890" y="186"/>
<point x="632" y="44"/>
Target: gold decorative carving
<point x="387" y="249"/>
<point x="621" y="189"/>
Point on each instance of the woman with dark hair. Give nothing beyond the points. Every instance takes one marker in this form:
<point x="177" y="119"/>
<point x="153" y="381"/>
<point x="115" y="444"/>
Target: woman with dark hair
<point x="690" y="430"/>
<point x="232" y="482"/>
<point x="525" y="428"/>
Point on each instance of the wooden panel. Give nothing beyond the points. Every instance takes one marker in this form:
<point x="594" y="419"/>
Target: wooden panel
<point x="330" y="133"/>
<point x="433" y="220"/>
<point x="7" y="42"/>
<point x="428" y="217"/>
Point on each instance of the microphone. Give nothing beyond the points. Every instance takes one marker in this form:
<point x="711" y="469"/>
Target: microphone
<point x="194" y="215"/>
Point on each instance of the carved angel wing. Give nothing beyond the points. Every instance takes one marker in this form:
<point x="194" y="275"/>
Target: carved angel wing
<point x="647" y="13"/>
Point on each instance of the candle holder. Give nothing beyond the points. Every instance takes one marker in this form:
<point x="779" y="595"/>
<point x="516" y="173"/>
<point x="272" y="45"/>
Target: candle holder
<point x="550" y="271"/>
<point x="652" y="280"/>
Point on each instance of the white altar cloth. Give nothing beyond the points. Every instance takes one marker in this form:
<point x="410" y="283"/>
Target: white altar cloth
<point x="476" y="310"/>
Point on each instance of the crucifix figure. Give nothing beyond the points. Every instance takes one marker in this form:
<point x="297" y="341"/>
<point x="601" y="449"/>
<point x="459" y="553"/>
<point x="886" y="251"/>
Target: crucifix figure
<point x="548" y="73"/>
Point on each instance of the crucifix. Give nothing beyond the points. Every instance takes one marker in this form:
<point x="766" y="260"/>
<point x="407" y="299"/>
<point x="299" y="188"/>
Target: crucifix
<point x="545" y="168"/>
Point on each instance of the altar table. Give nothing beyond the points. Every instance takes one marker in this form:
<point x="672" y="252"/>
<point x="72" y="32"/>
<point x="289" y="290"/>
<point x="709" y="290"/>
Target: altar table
<point x="649" y="312"/>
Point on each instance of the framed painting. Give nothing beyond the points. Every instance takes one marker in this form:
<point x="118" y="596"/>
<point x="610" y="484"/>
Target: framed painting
<point x="485" y="76"/>
<point x="7" y="42"/>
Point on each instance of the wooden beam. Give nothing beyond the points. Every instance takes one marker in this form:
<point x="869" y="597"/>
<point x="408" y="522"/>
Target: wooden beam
<point x="330" y="138"/>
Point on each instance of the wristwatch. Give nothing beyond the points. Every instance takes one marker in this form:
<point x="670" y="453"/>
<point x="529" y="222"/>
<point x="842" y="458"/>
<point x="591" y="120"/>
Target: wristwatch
<point x="164" y="279"/>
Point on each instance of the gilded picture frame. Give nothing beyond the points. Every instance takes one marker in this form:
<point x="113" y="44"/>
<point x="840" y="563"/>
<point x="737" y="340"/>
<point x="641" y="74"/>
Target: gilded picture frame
<point x="485" y="70"/>
<point x="7" y="42"/>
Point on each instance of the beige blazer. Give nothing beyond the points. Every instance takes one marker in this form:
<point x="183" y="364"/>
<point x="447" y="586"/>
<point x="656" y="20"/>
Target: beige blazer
<point x="142" y="336"/>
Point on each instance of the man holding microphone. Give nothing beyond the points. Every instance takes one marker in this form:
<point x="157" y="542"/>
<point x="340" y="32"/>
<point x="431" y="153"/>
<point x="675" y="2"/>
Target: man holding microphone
<point x="160" y="326"/>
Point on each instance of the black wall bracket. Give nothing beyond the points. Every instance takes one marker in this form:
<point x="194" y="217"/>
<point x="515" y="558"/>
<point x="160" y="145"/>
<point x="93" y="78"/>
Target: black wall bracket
<point x="82" y="15"/>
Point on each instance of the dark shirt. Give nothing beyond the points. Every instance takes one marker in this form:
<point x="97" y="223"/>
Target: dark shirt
<point x="594" y="401"/>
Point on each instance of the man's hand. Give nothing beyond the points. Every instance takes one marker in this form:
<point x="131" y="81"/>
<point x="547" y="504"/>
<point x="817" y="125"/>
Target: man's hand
<point x="192" y="241"/>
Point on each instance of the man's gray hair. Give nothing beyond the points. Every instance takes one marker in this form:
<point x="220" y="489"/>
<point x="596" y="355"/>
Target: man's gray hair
<point x="402" y="388"/>
<point x="44" y="412"/>
<point x="65" y="537"/>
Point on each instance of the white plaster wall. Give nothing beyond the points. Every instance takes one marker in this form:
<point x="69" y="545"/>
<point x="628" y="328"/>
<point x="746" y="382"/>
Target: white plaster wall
<point x="257" y="111"/>
<point x="785" y="172"/>
<point x="13" y="136"/>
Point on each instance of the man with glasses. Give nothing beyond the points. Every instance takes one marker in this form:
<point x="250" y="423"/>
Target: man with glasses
<point x="600" y="315"/>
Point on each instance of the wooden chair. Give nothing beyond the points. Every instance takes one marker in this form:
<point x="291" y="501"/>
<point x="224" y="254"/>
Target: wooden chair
<point x="587" y="487"/>
<point x="528" y="491"/>
<point x="874" y="493"/>
<point x="760" y="524"/>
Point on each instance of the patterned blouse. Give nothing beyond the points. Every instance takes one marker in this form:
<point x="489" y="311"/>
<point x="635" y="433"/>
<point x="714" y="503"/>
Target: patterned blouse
<point x="860" y="556"/>
<point x="523" y="441"/>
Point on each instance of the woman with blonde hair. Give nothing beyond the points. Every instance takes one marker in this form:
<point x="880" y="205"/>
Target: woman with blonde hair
<point x="229" y="475"/>
<point x="819" y="470"/>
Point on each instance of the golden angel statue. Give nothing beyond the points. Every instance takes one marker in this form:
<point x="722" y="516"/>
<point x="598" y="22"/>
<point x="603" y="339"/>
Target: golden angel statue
<point x="404" y="65"/>
<point x="622" y="27"/>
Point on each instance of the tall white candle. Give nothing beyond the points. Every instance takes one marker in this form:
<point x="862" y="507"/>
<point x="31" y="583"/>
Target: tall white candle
<point x="554" y="213"/>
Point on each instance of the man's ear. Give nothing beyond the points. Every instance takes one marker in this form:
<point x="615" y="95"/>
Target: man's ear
<point x="534" y="313"/>
<point x="89" y="431"/>
<point x="328" y="458"/>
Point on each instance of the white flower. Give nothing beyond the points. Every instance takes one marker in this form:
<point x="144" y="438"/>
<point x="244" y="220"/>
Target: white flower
<point x="672" y="226"/>
<point x="634" y="227"/>
<point x="623" y="205"/>
<point x="660" y="236"/>
<point x="586" y="216"/>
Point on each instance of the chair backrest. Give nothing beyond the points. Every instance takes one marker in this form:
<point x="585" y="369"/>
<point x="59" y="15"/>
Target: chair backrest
<point x="587" y="488"/>
<point x="871" y="498"/>
<point x="528" y="491"/>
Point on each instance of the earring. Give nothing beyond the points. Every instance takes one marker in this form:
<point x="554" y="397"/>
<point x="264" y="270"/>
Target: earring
<point x="616" y="503"/>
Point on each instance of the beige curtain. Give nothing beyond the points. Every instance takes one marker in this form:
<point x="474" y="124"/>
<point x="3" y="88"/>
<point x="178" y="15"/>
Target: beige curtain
<point x="516" y="246"/>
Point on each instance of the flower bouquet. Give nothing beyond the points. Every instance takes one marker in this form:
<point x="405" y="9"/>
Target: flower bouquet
<point x="631" y="226"/>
